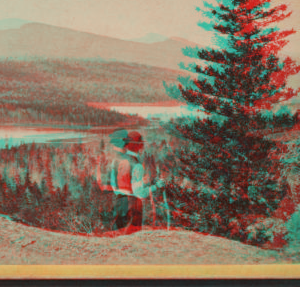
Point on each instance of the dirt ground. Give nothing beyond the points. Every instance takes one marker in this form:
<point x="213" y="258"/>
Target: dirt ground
<point x="21" y="244"/>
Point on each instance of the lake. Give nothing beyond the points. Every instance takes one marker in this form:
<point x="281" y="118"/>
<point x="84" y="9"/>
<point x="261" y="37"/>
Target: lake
<point x="153" y="110"/>
<point x="16" y="135"/>
<point x="163" y="113"/>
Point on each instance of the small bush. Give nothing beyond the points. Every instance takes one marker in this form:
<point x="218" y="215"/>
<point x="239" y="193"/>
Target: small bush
<point x="267" y="232"/>
<point x="293" y="233"/>
<point x="207" y="211"/>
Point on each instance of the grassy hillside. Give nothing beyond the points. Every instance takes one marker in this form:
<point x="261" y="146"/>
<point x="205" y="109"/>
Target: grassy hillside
<point x="43" y="90"/>
<point x="82" y="80"/>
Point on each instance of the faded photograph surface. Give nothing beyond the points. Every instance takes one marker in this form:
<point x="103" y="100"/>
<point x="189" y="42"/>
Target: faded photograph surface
<point x="149" y="132"/>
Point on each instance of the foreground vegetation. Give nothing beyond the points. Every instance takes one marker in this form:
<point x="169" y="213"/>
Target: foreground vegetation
<point x="54" y="187"/>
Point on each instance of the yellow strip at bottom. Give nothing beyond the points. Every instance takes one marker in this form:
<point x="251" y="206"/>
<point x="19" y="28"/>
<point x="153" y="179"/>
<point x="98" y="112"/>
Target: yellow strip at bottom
<point x="149" y="271"/>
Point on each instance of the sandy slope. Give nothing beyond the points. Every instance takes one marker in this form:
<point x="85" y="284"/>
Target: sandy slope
<point x="28" y="245"/>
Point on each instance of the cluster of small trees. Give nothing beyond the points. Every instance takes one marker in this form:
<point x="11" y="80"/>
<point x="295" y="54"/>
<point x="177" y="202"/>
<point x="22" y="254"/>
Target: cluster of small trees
<point x="55" y="187"/>
<point x="40" y="182"/>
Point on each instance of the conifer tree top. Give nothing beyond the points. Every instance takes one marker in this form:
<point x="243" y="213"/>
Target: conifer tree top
<point x="245" y="75"/>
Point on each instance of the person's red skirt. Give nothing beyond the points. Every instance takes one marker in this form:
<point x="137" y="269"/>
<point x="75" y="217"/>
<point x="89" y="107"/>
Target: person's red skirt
<point x="128" y="212"/>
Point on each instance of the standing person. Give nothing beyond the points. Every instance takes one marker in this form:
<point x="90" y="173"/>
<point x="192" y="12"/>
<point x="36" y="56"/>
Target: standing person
<point x="107" y="197"/>
<point x="127" y="177"/>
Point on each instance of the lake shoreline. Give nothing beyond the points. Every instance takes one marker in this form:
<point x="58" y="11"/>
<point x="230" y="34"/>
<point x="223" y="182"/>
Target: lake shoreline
<point x="102" y="105"/>
<point x="68" y="128"/>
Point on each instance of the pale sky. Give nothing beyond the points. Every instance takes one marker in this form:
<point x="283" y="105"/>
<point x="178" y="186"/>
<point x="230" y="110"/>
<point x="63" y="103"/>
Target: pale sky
<point x="124" y="19"/>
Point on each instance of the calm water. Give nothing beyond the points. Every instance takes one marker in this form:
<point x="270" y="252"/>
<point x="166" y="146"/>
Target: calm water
<point x="14" y="136"/>
<point x="164" y="113"/>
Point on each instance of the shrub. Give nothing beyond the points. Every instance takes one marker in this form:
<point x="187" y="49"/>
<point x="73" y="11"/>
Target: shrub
<point x="268" y="231"/>
<point x="205" y="210"/>
<point x="293" y="233"/>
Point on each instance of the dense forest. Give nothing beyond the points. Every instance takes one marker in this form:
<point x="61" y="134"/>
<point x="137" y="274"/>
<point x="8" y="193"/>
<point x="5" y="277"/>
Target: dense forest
<point x="58" y="90"/>
<point x="80" y="80"/>
<point x="44" y="112"/>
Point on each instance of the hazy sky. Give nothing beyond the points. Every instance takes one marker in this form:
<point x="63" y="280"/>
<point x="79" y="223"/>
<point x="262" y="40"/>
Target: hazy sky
<point x="122" y="18"/>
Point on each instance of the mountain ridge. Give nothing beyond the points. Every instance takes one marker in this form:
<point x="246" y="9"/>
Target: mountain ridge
<point x="150" y="38"/>
<point x="38" y="39"/>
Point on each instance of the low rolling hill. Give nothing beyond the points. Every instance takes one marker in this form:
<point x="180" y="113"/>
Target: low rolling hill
<point x="79" y="80"/>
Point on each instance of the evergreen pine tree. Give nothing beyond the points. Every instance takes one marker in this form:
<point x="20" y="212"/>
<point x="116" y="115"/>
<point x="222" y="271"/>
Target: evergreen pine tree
<point x="28" y="205"/>
<point x="65" y="196"/>
<point x="3" y="195"/>
<point x="28" y="201"/>
<point x="103" y="158"/>
<point x="236" y="84"/>
<point x="9" y="198"/>
<point x="102" y="146"/>
<point x="36" y="192"/>
<point x="43" y="188"/>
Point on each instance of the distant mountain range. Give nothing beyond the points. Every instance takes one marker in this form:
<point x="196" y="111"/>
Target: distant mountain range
<point x="150" y="38"/>
<point x="23" y="38"/>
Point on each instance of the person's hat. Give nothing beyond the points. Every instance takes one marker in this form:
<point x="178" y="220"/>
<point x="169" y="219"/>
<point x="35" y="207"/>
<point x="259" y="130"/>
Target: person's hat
<point x="134" y="137"/>
<point x="134" y="142"/>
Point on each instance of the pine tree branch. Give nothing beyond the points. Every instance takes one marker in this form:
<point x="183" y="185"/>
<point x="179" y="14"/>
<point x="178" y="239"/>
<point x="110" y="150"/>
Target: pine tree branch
<point x="227" y="17"/>
<point x="261" y="15"/>
<point x="209" y="71"/>
<point x="213" y="148"/>
<point x="225" y="29"/>
<point x="216" y="56"/>
<point x="215" y="105"/>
